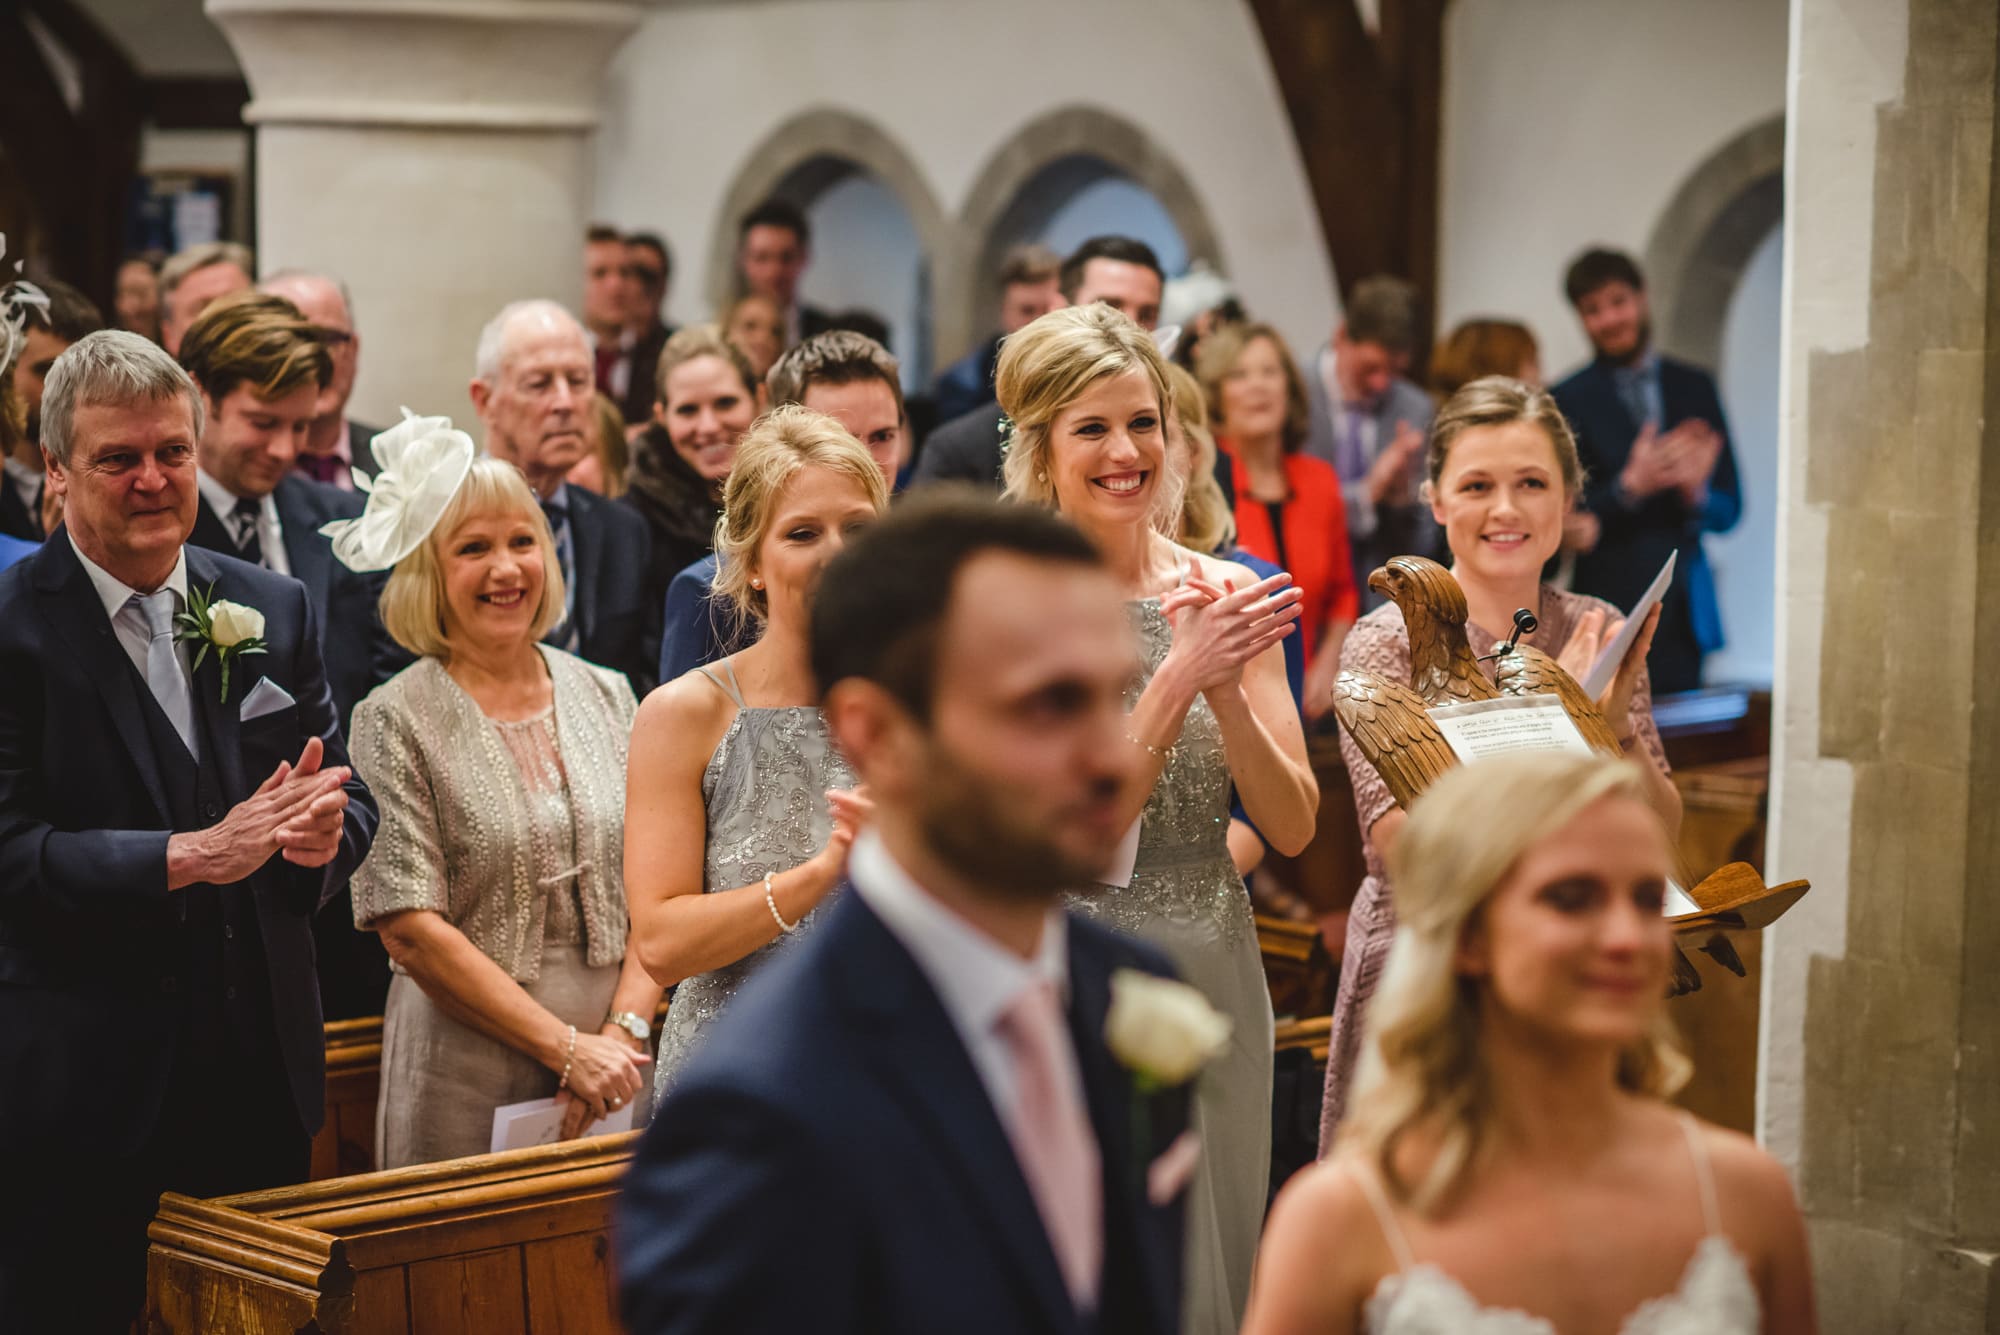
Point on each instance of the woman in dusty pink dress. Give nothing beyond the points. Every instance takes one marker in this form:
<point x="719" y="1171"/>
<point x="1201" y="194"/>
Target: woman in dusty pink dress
<point x="1502" y="472"/>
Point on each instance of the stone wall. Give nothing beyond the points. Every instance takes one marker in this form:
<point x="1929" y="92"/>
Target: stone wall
<point x="1882" y="992"/>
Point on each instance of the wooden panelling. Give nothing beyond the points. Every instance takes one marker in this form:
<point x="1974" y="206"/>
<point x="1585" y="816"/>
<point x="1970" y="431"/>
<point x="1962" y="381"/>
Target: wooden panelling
<point x="571" y="1287"/>
<point x="480" y="1292"/>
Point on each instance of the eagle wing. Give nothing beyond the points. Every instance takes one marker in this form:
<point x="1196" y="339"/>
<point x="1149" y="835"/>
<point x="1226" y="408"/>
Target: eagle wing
<point x="1526" y="670"/>
<point x="1394" y="730"/>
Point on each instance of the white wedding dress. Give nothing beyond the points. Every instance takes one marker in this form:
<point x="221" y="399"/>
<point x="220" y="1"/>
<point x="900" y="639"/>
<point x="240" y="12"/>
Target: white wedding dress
<point x="1715" y="1295"/>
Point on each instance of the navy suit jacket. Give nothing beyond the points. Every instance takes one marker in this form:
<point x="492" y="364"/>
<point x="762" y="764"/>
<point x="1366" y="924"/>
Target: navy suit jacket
<point x="613" y="548"/>
<point x="88" y="929"/>
<point x="15" y="519"/>
<point x="1637" y="539"/>
<point x="965" y="449"/>
<point x="829" y="1161"/>
<point x="696" y="627"/>
<point x="357" y="651"/>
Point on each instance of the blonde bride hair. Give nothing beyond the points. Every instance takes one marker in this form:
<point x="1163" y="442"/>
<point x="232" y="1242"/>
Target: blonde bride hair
<point x="1421" y="1065"/>
<point x="1048" y="365"/>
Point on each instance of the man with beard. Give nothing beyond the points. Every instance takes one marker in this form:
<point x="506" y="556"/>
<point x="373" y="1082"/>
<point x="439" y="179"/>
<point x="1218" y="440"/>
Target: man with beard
<point x="913" y="1122"/>
<point x="1658" y="467"/>
<point x="533" y="387"/>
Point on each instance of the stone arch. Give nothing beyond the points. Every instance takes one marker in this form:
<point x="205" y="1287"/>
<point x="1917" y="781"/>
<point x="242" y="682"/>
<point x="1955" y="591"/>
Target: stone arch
<point x="1707" y="234"/>
<point x="802" y="159"/>
<point x="1065" y="148"/>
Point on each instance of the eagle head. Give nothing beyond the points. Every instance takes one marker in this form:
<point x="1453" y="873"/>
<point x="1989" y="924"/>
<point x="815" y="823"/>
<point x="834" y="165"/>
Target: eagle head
<point x="1417" y="585"/>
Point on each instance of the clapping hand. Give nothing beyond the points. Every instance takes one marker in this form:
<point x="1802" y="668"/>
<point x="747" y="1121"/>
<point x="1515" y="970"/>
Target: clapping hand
<point x="1220" y="628"/>
<point x="1388" y="477"/>
<point x="1593" y="633"/>
<point x="299" y="810"/>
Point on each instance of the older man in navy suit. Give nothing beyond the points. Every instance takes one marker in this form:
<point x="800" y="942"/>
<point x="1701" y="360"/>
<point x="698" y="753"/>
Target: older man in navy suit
<point x="913" y="1123"/>
<point x="169" y="820"/>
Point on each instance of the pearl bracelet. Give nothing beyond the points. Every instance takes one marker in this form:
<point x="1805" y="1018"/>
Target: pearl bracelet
<point x="771" y="902"/>
<point x="1160" y="752"/>
<point x="568" y="1058"/>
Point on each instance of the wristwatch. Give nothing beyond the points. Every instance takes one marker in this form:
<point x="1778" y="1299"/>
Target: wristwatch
<point x="634" y="1025"/>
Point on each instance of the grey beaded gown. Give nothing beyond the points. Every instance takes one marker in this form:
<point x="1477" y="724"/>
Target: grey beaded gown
<point x="765" y="793"/>
<point x="1187" y="899"/>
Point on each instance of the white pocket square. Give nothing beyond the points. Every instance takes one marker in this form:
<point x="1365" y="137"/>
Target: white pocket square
<point x="1169" y="1174"/>
<point x="266" y="697"/>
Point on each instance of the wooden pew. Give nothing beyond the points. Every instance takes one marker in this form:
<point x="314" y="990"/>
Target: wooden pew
<point x="1297" y="967"/>
<point x="488" y="1245"/>
<point x="346" y="1143"/>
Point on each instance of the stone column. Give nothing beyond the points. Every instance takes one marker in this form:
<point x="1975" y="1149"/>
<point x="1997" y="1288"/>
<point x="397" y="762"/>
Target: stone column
<point x="1880" y="1075"/>
<point x="432" y="153"/>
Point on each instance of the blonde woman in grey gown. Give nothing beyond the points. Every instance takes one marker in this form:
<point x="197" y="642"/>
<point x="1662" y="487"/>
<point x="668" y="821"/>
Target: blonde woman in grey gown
<point x="1086" y="391"/>
<point x="740" y="814"/>
<point x="494" y="880"/>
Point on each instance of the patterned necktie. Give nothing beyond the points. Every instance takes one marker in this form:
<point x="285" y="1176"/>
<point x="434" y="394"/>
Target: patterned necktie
<point x="1353" y="461"/>
<point x="321" y="467"/>
<point x="564" y="634"/>
<point x="249" y="515"/>
<point x="1053" y="1141"/>
<point x="164" y="675"/>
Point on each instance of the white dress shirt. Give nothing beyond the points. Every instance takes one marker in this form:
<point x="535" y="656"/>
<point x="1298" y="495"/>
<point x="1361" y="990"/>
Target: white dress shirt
<point x="115" y="594"/>
<point x="975" y="976"/>
<point x="270" y="532"/>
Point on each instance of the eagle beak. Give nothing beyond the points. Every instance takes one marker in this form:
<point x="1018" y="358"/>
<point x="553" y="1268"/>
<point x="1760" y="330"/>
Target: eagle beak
<point x="1379" y="581"/>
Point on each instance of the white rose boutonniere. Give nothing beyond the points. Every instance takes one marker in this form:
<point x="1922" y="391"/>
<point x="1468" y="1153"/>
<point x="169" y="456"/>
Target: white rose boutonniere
<point x="230" y="629"/>
<point x="1162" y="1030"/>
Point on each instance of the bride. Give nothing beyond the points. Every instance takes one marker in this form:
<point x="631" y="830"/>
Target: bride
<point x="1509" y="1165"/>
<point x="1088" y="395"/>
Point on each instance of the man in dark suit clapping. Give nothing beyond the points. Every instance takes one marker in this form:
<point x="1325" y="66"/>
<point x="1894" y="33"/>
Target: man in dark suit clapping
<point x="165" y="835"/>
<point x="914" y="1122"/>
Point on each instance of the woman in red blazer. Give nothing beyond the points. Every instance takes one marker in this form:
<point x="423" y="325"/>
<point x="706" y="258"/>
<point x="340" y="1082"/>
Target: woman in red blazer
<point x="1288" y="504"/>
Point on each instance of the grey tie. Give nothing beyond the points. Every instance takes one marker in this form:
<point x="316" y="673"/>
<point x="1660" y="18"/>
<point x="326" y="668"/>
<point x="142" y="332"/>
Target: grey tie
<point x="163" y="663"/>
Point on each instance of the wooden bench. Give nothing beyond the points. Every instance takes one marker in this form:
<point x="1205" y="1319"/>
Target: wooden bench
<point x="488" y="1245"/>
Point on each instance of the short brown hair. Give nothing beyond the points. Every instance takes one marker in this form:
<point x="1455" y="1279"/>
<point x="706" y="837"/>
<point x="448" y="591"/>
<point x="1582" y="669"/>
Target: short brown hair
<point x="1217" y="357"/>
<point x="1383" y="310"/>
<point x="1029" y="264"/>
<point x="702" y="340"/>
<point x="257" y="339"/>
<point x="837" y="357"/>
<point x="1496" y="400"/>
<point x="1479" y="348"/>
<point x="598" y="233"/>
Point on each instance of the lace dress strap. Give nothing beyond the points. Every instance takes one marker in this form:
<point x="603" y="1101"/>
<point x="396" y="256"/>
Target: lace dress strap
<point x="1385" y="1214"/>
<point x="729" y="688"/>
<point x="1704" y="1174"/>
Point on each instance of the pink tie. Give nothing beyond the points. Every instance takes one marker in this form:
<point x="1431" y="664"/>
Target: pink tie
<point x="1053" y="1141"/>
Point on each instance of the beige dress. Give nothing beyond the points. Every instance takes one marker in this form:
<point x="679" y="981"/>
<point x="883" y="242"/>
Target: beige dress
<point x="1380" y="644"/>
<point x="514" y="832"/>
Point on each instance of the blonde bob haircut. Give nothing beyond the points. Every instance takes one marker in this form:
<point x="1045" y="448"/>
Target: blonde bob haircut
<point x="778" y="447"/>
<point x="1049" y="364"/>
<point x="1422" y="1068"/>
<point x="1206" y="524"/>
<point x="413" y="603"/>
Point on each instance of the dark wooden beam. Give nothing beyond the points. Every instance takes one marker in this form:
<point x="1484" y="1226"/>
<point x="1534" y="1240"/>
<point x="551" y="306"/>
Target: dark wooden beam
<point x="196" y="103"/>
<point x="1366" y="111"/>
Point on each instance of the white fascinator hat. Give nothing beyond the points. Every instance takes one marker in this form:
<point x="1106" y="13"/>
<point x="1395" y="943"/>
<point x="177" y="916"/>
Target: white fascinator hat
<point x="420" y="464"/>
<point x="17" y="298"/>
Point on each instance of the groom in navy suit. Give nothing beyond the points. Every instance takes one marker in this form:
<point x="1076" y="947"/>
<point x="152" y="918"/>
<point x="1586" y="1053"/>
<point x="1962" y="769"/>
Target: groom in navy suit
<point x="913" y="1123"/>
<point x="164" y="841"/>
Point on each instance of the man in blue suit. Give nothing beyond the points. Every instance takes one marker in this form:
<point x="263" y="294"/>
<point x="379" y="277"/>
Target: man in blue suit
<point x="1659" y="470"/>
<point x="164" y="840"/>
<point x="865" y="1141"/>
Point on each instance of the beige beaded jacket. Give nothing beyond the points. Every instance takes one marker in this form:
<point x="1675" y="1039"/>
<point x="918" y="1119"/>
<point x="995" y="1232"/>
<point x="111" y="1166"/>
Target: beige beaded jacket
<point x="461" y="833"/>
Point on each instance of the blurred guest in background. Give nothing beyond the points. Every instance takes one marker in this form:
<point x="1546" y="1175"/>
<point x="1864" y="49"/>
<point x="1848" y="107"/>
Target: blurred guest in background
<point x="773" y="248"/>
<point x="603" y="469"/>
<point x="1288" y="508"/>
<point x="138" y="296"/>
<point x="46" y="331"/>
<point x="610" y="298"/>
<point x="1028" y="290"/>
<point x="495" y="879"/>
<point x="1369" y="421"/>
<point x="1510" y="1131"/>
<point x="732" y="843"/>
<point x="195" y="277"/>
<point x="708" y="398"/>
<point x="651" y="266"/>
<point x="335" y="448"/>
<point x="532" y="390"/>
<point x="755" y="324"/>
<point x="1655" y="447"/>
<point x="1476" y="349"/>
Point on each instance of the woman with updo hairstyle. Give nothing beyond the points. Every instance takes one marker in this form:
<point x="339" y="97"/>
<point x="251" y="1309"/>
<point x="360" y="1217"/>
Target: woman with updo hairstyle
<point x="741" y="813"/>
<point x="1510" y="1164"/>
<point x="1501" y="472"/>
<point x="707" y="400"/>
<point x="1089" y="398"/>
<point x="1289" y="508"/>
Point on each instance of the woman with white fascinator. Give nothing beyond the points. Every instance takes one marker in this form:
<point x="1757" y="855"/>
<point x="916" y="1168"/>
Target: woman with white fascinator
<point x="495" y="881"/>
